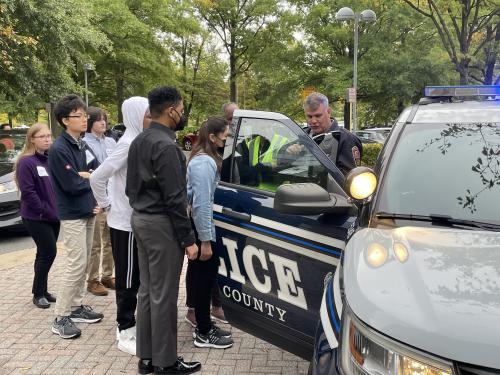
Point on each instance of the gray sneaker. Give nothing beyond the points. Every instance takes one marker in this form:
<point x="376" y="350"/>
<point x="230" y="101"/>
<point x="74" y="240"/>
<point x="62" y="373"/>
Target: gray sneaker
<point x="66" y="328"/>
<point x="213" y="339"/>
<point x="220" y="332"/>
<point x="85" y="314"/>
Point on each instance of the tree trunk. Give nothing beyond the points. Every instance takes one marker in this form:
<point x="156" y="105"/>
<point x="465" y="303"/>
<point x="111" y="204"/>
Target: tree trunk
<point x="491" y="57"/>
<point x="233" y="89"/>
<point x="463" y="69"/>
<point x="120" y="88"/>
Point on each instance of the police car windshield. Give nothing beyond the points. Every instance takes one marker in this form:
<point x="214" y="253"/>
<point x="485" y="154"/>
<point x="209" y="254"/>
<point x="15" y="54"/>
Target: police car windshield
<point x="445" y="169"/>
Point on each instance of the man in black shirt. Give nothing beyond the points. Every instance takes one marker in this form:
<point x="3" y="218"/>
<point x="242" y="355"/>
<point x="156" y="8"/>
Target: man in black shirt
<point x="156" y="188"/>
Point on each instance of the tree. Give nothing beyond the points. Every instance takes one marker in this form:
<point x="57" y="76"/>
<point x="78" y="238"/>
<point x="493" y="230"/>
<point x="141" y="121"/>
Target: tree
<point x="245" y="27"/>
<point x="41" y="46"/>
<point x="136" y="61"/>
<point x="465" y="27"/>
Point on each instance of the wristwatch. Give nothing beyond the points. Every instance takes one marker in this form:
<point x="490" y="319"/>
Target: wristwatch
<point x="106" y="209"/>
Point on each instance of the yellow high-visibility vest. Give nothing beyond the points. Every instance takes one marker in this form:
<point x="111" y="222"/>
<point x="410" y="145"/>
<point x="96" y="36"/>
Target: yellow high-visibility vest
<point x="253" y="146"/>
<point x="271" y="155"/>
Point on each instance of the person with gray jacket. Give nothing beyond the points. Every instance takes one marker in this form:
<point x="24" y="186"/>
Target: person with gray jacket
<point x="108" y="185"/>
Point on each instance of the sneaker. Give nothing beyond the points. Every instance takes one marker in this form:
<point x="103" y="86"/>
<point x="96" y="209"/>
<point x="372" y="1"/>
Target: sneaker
<point x="218" y="314"/>
<point x="85" y="314"/>
<point x="50" y="297"/>
<point x="108" y="282"/>
<point x="66" y="328"/>
<point x="220" y="332"/>
<point x="213" y="339"/>
<point x="41" y="302"/>
<point x="96" y="288"/>
<point x="190" y="317"/>
<point x="127" y="340"/>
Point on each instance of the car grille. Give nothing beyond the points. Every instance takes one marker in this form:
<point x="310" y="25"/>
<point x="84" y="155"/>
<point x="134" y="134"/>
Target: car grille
<point x="9" y="210"/>
<point x="465" y="369"/>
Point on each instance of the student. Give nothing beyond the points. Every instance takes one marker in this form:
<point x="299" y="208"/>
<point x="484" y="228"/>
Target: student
<point x="156" y="188"/>
<point x="70" y="162"/>
<point x="101" y="254"/>
<point x="38" y="207"/>
<point x="203" y="175"/>
<point x="113" y="172"/>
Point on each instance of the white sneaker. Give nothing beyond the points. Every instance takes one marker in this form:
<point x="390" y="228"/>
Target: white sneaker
<point x="127" y="340"/>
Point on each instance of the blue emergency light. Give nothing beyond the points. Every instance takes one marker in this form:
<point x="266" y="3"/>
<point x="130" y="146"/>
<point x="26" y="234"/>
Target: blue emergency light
<point x="479" y="90"/>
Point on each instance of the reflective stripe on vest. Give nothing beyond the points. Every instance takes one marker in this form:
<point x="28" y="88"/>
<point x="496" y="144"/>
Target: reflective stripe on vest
<point x="253" y="146"/>
<point x="271" y="155"/>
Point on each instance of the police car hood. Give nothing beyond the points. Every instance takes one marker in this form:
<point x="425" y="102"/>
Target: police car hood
<point x="440" y="295"/>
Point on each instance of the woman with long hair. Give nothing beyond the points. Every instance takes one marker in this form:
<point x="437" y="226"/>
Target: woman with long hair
<point x="203" y="174"/>
<point x="38" y="207"/>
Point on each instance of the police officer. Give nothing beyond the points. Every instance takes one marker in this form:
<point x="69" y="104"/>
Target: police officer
<point x="343" y="147"/>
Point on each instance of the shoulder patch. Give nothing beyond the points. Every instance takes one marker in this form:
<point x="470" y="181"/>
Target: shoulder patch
<point x="356" y="155"/>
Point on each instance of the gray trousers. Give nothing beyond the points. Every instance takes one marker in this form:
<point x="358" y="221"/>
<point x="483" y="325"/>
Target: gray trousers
<point x="160" y="264"/>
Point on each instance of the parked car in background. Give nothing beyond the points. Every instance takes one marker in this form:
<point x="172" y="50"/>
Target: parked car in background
<point x="11" y="144"/>
<point x="370" y="136"/>
<point x="116" y="131"/>
<point x="189" y="140"/>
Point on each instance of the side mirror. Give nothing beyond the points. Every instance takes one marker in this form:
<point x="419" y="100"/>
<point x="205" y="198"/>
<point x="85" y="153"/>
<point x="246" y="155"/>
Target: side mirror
<point x="308" y="199"/>
<point x="360" y="183"/>
<point x="303" y="199"/>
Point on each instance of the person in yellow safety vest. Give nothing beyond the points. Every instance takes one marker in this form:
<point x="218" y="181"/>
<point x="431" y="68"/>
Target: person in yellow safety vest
<point x="270" y="157"/>
<point x="254" y="147"/>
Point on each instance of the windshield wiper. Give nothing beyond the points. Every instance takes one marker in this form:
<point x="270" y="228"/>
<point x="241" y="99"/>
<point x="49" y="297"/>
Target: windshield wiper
<point x="441" y="219"/>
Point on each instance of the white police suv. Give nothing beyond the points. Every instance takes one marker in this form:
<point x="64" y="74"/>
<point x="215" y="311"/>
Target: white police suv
<point x="402" y="274"/>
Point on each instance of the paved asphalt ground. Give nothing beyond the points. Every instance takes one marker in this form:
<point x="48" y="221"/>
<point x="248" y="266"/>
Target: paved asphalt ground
<point x="27" y="346"/>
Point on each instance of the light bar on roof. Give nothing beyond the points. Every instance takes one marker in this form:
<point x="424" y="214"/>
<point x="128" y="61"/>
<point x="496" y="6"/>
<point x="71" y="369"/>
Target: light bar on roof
<point x="484" y="90"/>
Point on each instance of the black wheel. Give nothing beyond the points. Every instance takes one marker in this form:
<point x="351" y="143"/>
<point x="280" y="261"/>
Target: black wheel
<point x="188" y="145"/>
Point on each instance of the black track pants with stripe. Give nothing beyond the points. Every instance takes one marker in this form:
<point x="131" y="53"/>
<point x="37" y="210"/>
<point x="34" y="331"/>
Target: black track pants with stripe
<point x="126" y="276"/>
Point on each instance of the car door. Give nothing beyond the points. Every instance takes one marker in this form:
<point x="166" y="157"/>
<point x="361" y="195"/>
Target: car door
<point x="273" y="265"/>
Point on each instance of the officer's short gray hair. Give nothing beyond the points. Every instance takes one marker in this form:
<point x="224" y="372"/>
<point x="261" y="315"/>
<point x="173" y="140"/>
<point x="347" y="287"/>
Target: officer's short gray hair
<point x="314" y="100"/>
<point x="224" y="106"/>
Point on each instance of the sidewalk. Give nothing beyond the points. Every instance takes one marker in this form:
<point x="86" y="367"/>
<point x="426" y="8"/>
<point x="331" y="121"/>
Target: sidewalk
<point x="27" y="346"/>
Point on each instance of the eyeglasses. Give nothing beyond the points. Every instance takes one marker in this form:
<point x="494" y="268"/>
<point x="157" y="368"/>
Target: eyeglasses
<point x="79" y="116"/>
<point x="46" y="136"/>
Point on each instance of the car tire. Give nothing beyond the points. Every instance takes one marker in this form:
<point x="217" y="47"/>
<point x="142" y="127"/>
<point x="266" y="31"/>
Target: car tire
<point x="188" y="145"/>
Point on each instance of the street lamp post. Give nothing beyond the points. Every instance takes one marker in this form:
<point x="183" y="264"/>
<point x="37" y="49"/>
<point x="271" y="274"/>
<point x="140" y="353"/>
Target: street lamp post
<point x="87" y="67"/>
<point x="347" y="14"/>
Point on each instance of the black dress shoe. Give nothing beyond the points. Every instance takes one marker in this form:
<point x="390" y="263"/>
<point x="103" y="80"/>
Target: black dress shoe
<point x="50" y="297"/>
<point x="179" y="367"/>
<point x="145" y="366"/>
<point x="41" y="302"/>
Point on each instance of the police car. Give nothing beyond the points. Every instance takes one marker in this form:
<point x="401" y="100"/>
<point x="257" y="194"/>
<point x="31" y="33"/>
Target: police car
<point x="403" y="274"/>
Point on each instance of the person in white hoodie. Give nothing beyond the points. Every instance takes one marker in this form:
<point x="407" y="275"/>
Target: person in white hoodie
<point x="108" y="185"/>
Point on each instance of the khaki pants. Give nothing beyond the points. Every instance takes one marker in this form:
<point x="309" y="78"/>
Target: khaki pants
<point x="77" y="240"/>
<point x="101" y="250"/>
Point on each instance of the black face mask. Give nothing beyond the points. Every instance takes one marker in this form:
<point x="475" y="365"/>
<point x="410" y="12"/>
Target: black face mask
<point x="220" y="150"/>
<point x="182" y="121"/>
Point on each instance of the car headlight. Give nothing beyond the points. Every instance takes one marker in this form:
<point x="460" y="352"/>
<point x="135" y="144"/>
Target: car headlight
<point x="365" y="351"/>
<point x="7" y="187"/>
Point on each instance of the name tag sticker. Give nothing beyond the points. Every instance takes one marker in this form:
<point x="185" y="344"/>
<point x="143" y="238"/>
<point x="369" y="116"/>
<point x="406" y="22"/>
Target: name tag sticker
<point x="42" y="172"/>
<point x="89" y="156"/>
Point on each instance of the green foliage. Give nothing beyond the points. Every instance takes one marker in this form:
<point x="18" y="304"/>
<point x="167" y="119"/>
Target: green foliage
<point x="370" y="154"/>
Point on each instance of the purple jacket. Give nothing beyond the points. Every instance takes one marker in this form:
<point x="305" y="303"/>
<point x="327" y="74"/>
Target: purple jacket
<point x="38" y="200"/>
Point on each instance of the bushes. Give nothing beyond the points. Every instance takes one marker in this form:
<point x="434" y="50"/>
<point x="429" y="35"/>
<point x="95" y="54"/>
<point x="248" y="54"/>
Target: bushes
<point x="370" y="154"/>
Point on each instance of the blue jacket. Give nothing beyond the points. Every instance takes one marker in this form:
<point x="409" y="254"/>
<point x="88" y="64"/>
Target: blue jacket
<point x="74" y="197"/>
<point x="202" y="180"/>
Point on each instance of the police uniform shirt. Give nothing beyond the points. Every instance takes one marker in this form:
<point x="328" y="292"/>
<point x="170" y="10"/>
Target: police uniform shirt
<point x="349" y="148"/>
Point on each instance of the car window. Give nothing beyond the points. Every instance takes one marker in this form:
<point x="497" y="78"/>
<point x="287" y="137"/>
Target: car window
<point x="268" y="154"/>
<point x="445" y="169"/>
<point x="11" y="144"/>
